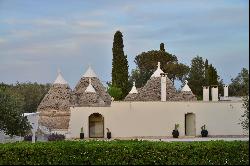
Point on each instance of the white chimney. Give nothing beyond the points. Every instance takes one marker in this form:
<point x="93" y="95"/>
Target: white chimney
<point x="163" y="87"/>
<point x="215" y="93"/>
<point x="205" y="93"/>
<point x="225" y="90"/>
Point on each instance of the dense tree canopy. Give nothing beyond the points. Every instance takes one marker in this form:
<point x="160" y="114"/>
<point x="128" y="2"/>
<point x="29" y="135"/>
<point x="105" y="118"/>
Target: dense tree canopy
<point x="240" y="84"/>
<point x="12" y="121"/>
<point x="203" y="74"/>
<point x="115" y="92"/>
<point x="119" y="65"/>
<point x="196" y="77"/>
<point x="146" y="63"/>
<point x="32" y="93"/>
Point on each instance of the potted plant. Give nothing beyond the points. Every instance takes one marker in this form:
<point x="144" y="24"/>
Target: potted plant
<point x="81" y="133"/>
<point x="175" y="132"/>
<point x="108" y="133"/>
<point x="204" y="132"/>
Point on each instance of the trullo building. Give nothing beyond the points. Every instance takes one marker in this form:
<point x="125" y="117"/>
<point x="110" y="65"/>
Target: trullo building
<point x="150" y="111"/>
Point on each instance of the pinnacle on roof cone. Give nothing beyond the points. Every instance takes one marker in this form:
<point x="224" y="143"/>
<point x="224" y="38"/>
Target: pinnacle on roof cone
<point x="158" y="71"/>
<point x="186" y="87"/>
<point x="89" y="73"/>
<point x="133" y="90"/>
<point x="90" y="88"/>
<point x="60" y="79"/>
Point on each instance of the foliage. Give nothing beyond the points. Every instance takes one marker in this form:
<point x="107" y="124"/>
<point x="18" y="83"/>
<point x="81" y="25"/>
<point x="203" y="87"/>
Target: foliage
<point x="32" y="93"/>
<point x="196" y="75"/>
<point x="115" y="92"/>
<point x="12" y="121"/>
<point x="29" y="138"/>
<point x="125" y="153"/>
<point x="140" y="78"/>
<point x="240" y="84"/>
<point x="245" y="116"/>
<point x="176" y="126"/>
<point x="147" y="63"/>
<point x="56" y="137"/>
<point x="203" y="127"/>
<point x="119" y="66"/>
<point x="203" y="74"/>
<point x="81" y="129"/>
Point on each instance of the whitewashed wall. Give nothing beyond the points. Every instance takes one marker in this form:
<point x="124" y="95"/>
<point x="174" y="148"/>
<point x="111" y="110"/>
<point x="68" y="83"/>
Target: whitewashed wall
<point x="131" y="119"/>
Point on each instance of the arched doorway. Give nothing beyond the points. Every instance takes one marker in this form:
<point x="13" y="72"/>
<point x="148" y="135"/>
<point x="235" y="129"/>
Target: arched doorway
<point x="96" y="126"/>
<point x="190" y="129"/>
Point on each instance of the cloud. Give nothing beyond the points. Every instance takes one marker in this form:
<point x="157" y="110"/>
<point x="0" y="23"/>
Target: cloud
<point x="129" y="8"/>
<point x="89" y="24"/>
<point x="49" y="22"/>
<point x="2" y="40"/>
<point x="23" y="33"/>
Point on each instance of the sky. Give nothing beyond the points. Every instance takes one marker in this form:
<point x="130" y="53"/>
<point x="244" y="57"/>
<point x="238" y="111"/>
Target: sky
<point x="38" y="37"/>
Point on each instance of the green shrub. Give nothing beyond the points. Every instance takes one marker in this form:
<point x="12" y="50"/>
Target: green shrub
<point x="56" y="137"/>
<point x="125" y="152"/>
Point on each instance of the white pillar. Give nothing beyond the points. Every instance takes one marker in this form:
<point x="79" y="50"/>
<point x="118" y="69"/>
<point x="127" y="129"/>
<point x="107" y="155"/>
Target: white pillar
<point x="163" y="87"/>
<point x="33" y="137"/>
<point x="205" y="93"/>
<point x="215" y="93"/>
<point x="225" y="90"/>
<point x="33" y="120"/>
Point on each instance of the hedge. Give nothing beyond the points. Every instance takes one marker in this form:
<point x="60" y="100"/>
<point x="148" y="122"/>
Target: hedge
<point x="119" y="152"/>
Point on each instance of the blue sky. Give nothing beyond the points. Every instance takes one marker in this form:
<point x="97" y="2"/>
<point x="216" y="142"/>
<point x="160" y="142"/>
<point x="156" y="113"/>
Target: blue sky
<point x="39" y="36"/>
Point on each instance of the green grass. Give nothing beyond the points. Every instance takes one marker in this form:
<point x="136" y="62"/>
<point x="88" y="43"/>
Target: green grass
<point x="125" y="152"/>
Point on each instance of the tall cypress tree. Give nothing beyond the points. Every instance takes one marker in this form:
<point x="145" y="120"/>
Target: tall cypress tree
<point x="119" y="65"/>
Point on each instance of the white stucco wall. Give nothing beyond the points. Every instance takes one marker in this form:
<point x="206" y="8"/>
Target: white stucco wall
<point x="131" y="119"/>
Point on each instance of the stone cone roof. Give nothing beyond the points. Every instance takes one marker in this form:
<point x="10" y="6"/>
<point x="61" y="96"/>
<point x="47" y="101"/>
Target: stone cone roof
<point x="82" y="98"/>
<point x="152" y="90"/>
<point x="54" y="108"/>
<point x="133" y="96"/>
<point x="186" y="93"/>
<point x="57" y="98"/>
<point x="187" y="96"/>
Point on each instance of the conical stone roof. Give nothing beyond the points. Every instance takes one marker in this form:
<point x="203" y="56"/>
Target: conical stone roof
<point x="81" y="97"/>
<point x="132" y="95"/>
<point x="56" y="103"/>
<point x="186" y="88"/>
<point x="90" y="88"/>
<point x="60" y="79"/>
<point x="187" y="94"/>
<point x="152" y="90"/>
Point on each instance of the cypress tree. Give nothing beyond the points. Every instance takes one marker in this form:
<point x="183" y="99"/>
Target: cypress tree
<point x="119" y="65"/>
